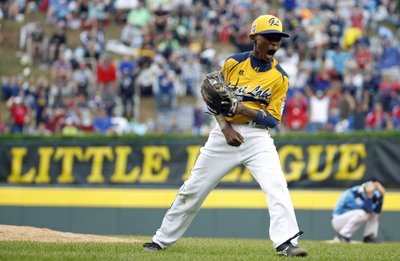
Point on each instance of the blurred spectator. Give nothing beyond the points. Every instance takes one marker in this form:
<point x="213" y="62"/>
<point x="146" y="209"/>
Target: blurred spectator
<point x="225" y="31"/>
<point x="290" y="63"/>
<point x="109" y="100"/>
<point x="93" y="42"/>
<point x="15" y="85"/>
<point x="357" y="18"/>
<point x="319" y="110"/>
<point x="168" y="45"/>
<point x="335" y="32"/>
<point x="134" y="126"/>
<point x="358" y="117"/>
<point x="83" y="80"/>
<point x="364" y="39"/>
<point x="191" y="75"/>
<point x="127" y="91"/>
<point x="84" y="113"/>
<point x="174" y="63"/>
<point x="75" y="22"/>
<point x="41" y="130"/>
<point x="120" y="125"/>
<point x="131" y="36"/>
<point x="139" y="16"/>
<point x="98" y="14"/>
<point x="323" y="82"/>
<point x="61" y="72"/>
<point x="165" y="97"/>
<point x="83" y="9"/>
<point x="56" y="119"/>
<point x="351" y="35"/>
<point x="199" y="18"/>
<point x="15" y="9"/>
<point x="58" y="11"/>
<point x="25" y="34"/>
<point x="346" y="106"/>
<point x="57" y="39"/>
<point x="377" y="118"/>
<point x="390" y="56"/>
<point x="362" y="55"/>
<point x="241" y="38"/>
<point x="106" y="74"/>
<point x="161" y="16"/>
<point x="146" y="80"/>
<point x="36" y="43"/>
<point x="338" y="58"/>
<point x="71" y="109"/>
<point x="19" y="113"/>
<point x="122" y="8"/>
<point x="296" y="117"/>
<point x="41" y="103"/>
<point x="5" y="88"/>
<point x="69" y="128"/>
<point x="396" y="116"/>
<point x="127" y="64"/>
<point x="197" y="120"/>
<point x="146" y="52"/>
<point x="102" y="123"/>
<point x="389" y="90"/>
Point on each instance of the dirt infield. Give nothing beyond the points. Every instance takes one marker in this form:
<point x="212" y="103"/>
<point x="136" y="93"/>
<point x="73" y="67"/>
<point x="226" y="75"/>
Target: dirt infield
<point x="24" y="233"/>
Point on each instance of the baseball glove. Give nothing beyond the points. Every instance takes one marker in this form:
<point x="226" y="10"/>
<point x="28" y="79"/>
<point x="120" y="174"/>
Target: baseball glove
<point x="218" y="95"/>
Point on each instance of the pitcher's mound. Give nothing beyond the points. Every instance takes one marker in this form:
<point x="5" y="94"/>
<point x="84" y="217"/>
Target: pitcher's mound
<point x="25" y="233"/>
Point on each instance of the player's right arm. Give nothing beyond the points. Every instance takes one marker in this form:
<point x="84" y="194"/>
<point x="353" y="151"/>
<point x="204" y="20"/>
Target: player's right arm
<point x="232" y="137"/>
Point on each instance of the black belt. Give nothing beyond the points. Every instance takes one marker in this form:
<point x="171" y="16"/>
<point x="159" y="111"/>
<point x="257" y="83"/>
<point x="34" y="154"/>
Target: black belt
<point x="251" y="124"/>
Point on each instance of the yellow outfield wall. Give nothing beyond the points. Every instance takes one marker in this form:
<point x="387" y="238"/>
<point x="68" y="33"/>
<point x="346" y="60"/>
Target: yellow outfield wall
<point x="162" y="198"/>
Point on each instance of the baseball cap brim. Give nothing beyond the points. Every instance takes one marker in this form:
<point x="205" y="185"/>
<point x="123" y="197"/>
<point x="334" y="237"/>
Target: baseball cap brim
<point x="274" y="32"/>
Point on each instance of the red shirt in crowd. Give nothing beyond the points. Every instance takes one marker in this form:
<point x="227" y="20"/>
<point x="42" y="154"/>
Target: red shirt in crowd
<point x="106" y="72"/>
<point x="389" y="85"/>
<point x="357" y="19"/>
<point x="396" y="112"/>
<point x="363" y="57"/>
<point x="296" y="113"/>
<point x="376" y="119"/>
<point x="19" y="113"/>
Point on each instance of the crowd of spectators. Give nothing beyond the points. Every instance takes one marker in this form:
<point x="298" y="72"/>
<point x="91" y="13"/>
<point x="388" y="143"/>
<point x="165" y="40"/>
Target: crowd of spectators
<point x="343" y="62"/>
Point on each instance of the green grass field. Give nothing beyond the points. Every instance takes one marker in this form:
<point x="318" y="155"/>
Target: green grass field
<point x="194" y="249"/>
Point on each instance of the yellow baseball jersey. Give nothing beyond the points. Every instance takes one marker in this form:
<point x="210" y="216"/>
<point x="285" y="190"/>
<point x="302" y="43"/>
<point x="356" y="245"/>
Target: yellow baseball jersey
<point x="258" y="84"/>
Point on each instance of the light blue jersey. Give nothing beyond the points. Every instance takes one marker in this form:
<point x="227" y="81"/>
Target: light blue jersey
<point x="355" y="198"/>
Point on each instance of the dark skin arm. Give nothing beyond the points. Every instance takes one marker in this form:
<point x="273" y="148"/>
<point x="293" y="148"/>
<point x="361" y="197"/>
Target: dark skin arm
<point x="233" y="137"/>
<point x="374" y="186"/>
<point x="245" y="111"/>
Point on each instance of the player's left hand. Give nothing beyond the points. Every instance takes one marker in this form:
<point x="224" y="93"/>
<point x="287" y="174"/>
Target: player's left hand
<point x="232" y="137"/>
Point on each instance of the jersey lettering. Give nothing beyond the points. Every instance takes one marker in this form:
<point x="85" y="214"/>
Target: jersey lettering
<point x="262" y="85"/>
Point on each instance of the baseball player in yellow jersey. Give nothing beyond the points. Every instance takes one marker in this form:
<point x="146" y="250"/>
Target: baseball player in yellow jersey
<point x="260" y="86"/>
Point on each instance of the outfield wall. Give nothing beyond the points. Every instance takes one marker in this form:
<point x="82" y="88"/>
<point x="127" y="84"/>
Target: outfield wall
<point x="225" y="213"/>
<point x="124" y="185"/>
<point x="240" y="223"/>
<point x="307" y="162"/>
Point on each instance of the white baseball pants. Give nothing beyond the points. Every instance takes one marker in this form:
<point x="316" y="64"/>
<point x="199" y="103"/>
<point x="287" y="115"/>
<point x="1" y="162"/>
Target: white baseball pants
<point x="348" y="223"/>
<point x="216" y="159"/>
